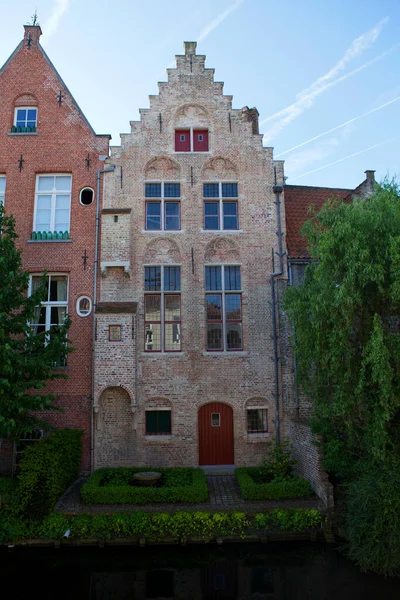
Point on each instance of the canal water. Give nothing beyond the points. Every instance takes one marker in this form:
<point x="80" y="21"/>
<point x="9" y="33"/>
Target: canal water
<point x="230" y="572"/>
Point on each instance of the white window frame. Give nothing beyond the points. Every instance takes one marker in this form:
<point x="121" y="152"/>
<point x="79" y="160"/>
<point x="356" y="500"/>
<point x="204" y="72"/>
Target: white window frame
<point x="17" y="108"/>
<point x="53" y="193"/>
<point x="47" y="303"/>
<point x="223" y="293"/>
<point x="78" y="309"/>
<point x="163" y="201"/>
<point x="83" y="190"/>
<point x="220" y="201"/>
<point x="3" y="193"/>
<point x="148" y="339"/>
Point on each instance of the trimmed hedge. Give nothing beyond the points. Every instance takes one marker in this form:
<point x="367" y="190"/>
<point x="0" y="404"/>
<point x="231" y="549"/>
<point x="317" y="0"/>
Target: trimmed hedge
<point x="295" y="487"/>
<point x="155" y="526"/>
<point x="111" y="486"/>
<point x="46" y="470"/>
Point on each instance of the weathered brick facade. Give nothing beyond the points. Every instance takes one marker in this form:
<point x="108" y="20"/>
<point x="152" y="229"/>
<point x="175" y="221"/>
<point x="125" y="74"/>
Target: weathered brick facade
<point x="63" y="143"/>
<point x="184" y="381"/>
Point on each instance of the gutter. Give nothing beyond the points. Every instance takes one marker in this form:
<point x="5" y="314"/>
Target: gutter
<point x="95" y="276"/>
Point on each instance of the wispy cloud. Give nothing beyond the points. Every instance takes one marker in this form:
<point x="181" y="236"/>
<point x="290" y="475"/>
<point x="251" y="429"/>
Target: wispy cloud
<point x="317" y="137"/>
<point x="218" y="20"/>
<point x="305" y="98"/>
<point x="341" y="159"/>
<point x="52" y="23"/>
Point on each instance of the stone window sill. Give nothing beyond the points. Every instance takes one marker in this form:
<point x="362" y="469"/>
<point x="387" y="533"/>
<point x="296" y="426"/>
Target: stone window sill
<point x="46" y="241"/>
<point x="18" y="133"/>
<point x="158" y="438"/>
<point x="160" y="354"/>
<point x="255" y="438"/>
<point x="226" y="354"/>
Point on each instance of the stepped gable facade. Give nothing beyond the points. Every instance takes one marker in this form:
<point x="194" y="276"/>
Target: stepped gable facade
<point x="184" y="358"/>
<point x="49" y="158"/>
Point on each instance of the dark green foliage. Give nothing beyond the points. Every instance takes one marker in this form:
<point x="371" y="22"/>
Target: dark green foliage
<point x="373" y="519"/>
<point x="278" y="461"/>
<point x="250" y="480"/>
<point x="8" y="493"/>
<point x="293" y="519"/>
<point x="155" y="526"/>
<point x="46" y="470"/>
<point x="347" y="327"/>
<point x="115" y="486"/>
<point x="26" y="360"/>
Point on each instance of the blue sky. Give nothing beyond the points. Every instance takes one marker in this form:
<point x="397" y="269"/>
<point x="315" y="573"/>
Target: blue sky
<point x="323" y="69"/>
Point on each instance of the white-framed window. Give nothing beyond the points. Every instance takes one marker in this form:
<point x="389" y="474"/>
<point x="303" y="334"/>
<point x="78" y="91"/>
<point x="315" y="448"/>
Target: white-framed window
<point x="223" y="308"/>
<point x="25" y="117"/>
<point x="162" y="309"/>
<point x="84" y="306"/>
<point x="220" y="205"/>
<point x="163" y="210"/>
<point x="2" y="188"/>
<point x="86" y="196"/>
<point x="257" y="419"/>
<point x="52" y="203"/>
<point x="52" y="312"/>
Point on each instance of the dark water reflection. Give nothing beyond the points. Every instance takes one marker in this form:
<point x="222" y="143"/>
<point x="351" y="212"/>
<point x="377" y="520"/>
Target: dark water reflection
<point x="231" y="572"/>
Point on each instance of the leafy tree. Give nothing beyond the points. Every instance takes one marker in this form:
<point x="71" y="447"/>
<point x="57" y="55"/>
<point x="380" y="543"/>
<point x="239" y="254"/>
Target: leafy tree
<point x="347" y="321"/>
<point x="26" y="360"/>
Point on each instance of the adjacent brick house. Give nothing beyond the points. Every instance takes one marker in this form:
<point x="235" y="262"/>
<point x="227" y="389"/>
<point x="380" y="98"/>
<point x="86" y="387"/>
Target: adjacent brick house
<point x="184" y="353"/>
<point x="49" y="158"/>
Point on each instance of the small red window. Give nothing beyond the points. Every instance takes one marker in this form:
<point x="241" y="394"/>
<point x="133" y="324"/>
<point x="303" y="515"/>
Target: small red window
<point x="182" y="140"/>
<point x="200" y="140"/>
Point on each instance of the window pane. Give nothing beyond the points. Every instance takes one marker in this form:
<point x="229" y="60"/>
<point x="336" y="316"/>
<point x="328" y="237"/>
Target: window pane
<point x="32" y="114"/>
<point x="43" y="220"/>
<point x="172" y="308"/>
<point x="211" y="215"/>
<point x="230" y="215"/>
<point x="2" y="184"/>
<point x="63" y="183"/>
<point x="158" y="421"/>
<point x="233" y="307"/>
<point x="172" y="337"/>
<point x="36" y="281"/>
<point x="58" y="288"/>
<point x="172" y="215"/>
<point x="152" y="337"/>
<point x="151" y="421"/>
<point x="58" y="314"/>
<point x="152" y="279"/>
<point x="213" y="278"/>
<point x="45" y="183"/>
<point x="257" y="420"/>
<point x="153" y="215"/>
<point x="210" y="190"/>
<point x="234" y="336"/>
<point x="214" y="307"/>
<point x="44" y="202"/>
<point x="214" y="336"/>
<point x="152" y="308"/>
<point x="172" y="190"/>
<point x="232" y="278"/>
<point x="21" y="115"/>
<point x="229" y="190"/>
<point x="63" y="201"/>
<point x="153" y="190"/>
<point x="172" y="279"/>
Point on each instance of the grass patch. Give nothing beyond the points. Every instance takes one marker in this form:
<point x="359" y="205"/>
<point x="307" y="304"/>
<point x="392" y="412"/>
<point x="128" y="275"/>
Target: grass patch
<point x="117" y="486"/>
<point x="253" y="486"/>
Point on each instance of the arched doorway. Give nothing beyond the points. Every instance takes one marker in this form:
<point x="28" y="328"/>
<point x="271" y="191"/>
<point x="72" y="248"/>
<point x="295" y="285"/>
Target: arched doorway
<point x="216" y="434"/>
<point x="114" y="445"/>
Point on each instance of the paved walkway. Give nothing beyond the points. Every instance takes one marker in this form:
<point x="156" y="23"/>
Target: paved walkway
<point x="224" y="494"/>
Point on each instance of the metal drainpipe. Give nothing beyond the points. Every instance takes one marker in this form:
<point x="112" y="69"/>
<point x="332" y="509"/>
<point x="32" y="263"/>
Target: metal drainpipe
<point x="95" y="272"/>
<point x="296" y="389"/>
<point x="278" y="189"/>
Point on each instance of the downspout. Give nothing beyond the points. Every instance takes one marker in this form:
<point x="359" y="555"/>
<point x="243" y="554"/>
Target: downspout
<point x="296" y="387"/>
<point x="278" y="189"/>
<point x="95" y="275"/>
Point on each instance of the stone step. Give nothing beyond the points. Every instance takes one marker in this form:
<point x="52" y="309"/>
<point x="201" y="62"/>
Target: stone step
<point x="218" y="469"/>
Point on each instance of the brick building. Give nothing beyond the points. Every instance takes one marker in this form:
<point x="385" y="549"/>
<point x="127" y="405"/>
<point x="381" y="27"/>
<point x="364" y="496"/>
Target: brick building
<point x="49" y="159"/>
<point x="184" y="356"/>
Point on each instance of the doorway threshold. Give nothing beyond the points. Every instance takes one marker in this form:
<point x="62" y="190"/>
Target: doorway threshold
<point x="218" y="469"/>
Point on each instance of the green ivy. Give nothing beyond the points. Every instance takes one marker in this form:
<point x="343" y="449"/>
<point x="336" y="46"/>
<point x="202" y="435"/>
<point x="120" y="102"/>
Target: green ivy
<point x="248" y="479"/>
<point x="113" y="486"/>
<point x="46" y="470"/>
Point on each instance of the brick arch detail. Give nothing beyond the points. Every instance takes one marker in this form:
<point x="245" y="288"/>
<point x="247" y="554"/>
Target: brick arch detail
<point x="257" y="401"/>
<point x="162" y="167"/>
<point x="114" y="384"/>
<point x="219" y="168"/>
<point x="26" y="99"/>
<point x="222" y="250"/>
<point x="191" y="115"/>
<point x="162" y="251"/>
<point x="157" y="402"/>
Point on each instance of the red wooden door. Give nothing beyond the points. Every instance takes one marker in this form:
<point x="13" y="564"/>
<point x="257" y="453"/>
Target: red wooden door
<point x="216" y="434"/>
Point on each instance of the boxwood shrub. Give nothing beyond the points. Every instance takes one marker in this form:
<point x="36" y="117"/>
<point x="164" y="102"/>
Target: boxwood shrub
<point x="113" y="486"/>
<point x="248" y="479"/>
<point x="46" y="470"/>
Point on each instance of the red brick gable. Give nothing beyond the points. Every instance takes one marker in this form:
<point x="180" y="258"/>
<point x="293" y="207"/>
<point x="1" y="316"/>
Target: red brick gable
<point x="298" y="200"/>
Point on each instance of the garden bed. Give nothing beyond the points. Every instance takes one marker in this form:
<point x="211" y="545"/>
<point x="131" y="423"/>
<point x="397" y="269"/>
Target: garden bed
<point x="253" y="486"/>
<point x="118" y="486"/>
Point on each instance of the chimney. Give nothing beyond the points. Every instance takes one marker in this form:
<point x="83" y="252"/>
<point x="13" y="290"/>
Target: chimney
<point x="190" y="48"/>
<point x="32" y="34"/>
<point x="370" y="176"/>
<point x="251" y="114"/>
